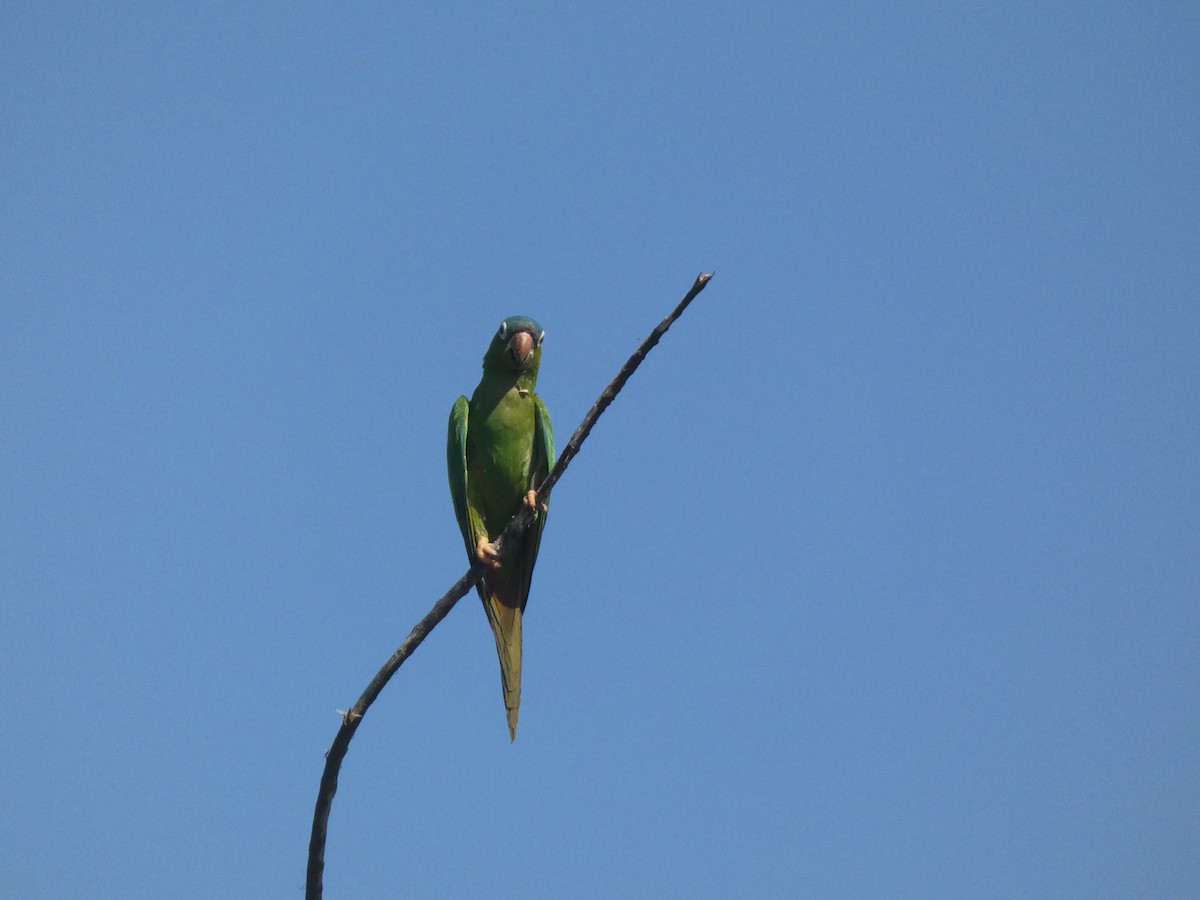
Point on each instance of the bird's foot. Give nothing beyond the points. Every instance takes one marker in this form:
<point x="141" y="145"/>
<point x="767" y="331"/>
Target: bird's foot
<point x="487" y="554"/>
<point x="531" y="500"/>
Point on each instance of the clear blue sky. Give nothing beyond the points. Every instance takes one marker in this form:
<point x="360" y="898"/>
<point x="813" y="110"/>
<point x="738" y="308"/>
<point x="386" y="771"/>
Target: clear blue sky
<point x="880" y="579"/>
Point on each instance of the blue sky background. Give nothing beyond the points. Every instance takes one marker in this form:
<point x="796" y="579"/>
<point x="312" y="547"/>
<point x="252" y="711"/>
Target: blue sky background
<point x="880" y="579"/>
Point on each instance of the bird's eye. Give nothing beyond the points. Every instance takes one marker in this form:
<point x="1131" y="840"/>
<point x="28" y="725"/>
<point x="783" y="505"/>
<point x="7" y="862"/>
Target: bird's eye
<point x="541" y="337"/>
<point x="503" y="329"/>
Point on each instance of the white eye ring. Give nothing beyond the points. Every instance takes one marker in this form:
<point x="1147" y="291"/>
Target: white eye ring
<point x="503" y="328"/>
<point x="541" y="337"/>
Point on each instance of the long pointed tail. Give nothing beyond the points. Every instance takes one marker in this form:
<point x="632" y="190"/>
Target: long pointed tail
<point x="506" y="626"/>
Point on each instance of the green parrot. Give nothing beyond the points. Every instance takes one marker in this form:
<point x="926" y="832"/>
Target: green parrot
<point x="499" y="448"/>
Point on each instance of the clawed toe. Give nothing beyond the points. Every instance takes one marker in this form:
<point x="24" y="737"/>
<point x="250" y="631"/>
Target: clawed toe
<point x="531" y="500"/>
<point x="485" y="552"/>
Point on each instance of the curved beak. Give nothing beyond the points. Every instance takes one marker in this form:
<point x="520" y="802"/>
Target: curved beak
<point x="520" y="351"/>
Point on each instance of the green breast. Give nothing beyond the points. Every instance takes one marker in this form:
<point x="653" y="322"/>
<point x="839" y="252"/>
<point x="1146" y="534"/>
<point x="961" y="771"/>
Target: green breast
<point x="499" y="449"/>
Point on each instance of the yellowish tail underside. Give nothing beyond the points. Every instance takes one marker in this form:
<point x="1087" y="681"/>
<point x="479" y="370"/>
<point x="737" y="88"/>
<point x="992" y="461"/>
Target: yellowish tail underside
<point x="506" y="626"/>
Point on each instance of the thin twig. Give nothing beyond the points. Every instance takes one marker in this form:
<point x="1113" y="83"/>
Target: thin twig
<point x="519" y="522"/>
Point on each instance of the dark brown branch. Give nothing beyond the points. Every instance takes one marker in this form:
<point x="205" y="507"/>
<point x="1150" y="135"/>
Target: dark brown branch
<point x="521" y="521"/>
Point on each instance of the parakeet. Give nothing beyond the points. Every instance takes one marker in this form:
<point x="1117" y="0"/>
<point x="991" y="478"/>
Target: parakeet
<point x="499" y="448"/>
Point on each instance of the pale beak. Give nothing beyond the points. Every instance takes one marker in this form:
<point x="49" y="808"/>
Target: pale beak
<point x="520" y="351"/>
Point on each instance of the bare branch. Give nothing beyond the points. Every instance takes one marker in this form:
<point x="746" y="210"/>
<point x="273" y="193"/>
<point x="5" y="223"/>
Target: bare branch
<point x="519" y="522"/>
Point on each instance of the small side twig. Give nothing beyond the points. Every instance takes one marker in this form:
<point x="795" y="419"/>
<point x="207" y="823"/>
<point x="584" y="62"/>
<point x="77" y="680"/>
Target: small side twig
<point x="351" y="720"/>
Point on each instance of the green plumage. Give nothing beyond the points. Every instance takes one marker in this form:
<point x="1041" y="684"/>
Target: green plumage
<point x="499" y="447"/>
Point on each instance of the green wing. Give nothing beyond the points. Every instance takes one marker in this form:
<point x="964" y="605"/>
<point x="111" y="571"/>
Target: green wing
<point x="543" y="435"/>
<point x="540" y="464"/>
<point x="456" y="468"/>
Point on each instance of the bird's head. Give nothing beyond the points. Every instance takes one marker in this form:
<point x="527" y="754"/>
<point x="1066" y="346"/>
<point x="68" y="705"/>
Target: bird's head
<point x="516" y="347"/>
